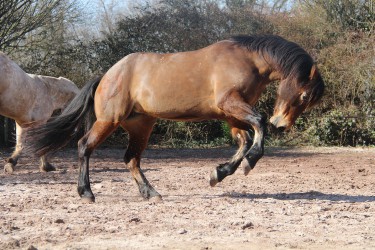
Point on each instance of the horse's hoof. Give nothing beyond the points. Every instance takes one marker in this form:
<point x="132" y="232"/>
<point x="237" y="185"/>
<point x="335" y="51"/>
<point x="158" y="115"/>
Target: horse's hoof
<point x="213" y="178"/>
<point x="246" y="166"/>
<point x="86" y="194"/>
<point x="156" y="199"/>
<point x="88" y="199"/>
<point x="47" y="168"/>
<point x="8" y="168"/>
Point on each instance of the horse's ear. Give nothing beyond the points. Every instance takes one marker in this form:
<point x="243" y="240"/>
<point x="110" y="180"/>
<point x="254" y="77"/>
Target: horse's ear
<point x="313" y="73"/>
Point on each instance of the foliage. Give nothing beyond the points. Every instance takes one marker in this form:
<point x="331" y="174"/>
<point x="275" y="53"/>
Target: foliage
<point x="343" y="129"/>
<point x="345" y="56"/>
<point x="348" y="14"/>
<point x="174" y="26"/>
<point x="19" y="18"/>
<point x="190" y="134"/>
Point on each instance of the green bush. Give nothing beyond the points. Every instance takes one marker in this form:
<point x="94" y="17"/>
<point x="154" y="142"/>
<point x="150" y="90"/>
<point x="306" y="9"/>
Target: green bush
<point x="190" y="134"/>
<point x="343" y="129"/>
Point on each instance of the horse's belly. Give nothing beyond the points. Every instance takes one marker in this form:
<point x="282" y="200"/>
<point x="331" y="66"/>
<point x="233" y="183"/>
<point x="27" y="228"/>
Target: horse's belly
<point x="180" y="110"/>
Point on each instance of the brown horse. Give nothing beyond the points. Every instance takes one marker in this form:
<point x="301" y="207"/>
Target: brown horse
<point x="28" y="98"/>
<point x="222" y="81"/>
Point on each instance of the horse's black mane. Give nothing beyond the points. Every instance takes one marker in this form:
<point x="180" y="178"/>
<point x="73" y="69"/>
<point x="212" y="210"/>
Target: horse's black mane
<point x="288" y="57"/>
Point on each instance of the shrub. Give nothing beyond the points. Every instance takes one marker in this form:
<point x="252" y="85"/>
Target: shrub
<point x="343" y="129"/>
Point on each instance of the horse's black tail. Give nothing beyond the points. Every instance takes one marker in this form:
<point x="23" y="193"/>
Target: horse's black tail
<point x="59" y="130"/>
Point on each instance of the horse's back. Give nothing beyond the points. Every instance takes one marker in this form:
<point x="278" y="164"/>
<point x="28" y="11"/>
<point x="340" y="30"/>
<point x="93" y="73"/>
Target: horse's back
<point x="60" y="84"/>
<point x="55" y="91"/>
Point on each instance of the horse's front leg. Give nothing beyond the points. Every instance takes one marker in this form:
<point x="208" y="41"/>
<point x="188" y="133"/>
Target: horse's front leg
<point x="242" y="114"/>
<point x="139" y="129"/>
<point x="12" y="161"/>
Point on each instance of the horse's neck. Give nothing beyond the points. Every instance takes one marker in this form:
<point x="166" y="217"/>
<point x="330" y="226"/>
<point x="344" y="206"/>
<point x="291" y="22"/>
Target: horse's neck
<point x="266" y="67"/>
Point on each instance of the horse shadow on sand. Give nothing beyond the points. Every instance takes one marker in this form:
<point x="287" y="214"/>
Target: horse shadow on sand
<point x="310" y="195"/>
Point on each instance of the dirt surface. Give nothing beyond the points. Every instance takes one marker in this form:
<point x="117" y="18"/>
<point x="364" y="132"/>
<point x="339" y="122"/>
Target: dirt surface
<point x="301" y="198"/>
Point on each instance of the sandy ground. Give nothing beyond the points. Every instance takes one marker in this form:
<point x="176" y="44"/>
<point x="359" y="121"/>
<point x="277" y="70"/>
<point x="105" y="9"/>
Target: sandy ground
<point x="295" y="198"/>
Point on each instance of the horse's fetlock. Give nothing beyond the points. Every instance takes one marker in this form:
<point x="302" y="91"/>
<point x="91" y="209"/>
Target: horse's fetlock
<point x="81" y="190"/>
<point x="86" y="193"/>
<point x="12" y="161"/>
<point x="47" y="167"/>
<point x="144" y="190"/>
<point x="222" y="171"/>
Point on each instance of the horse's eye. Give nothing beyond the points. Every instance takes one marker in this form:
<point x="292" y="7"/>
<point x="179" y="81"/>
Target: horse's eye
<point x="304" y="96"/>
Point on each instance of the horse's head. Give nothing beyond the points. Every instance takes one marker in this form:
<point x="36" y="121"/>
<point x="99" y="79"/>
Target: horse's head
<point x="294" y="96"/>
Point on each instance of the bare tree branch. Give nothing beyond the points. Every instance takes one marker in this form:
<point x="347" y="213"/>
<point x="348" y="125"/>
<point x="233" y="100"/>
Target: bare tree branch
<point x="19" y="17"/>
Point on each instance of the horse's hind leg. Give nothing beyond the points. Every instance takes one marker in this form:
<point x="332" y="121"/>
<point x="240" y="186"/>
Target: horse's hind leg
<point x="244" y="142"/>
<point x="97" y="134"/>
<point x="139" y="129"/>
<point x="12" y="161"/>
<point x="45" y="166"/>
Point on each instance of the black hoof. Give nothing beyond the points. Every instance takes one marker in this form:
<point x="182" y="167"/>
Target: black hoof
<point x="47" y="168"/>
<point x="8" y="168"/>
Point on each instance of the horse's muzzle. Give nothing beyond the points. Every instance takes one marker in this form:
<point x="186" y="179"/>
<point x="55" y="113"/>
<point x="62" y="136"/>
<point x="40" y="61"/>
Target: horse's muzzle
<point x="280" y="123"/>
